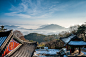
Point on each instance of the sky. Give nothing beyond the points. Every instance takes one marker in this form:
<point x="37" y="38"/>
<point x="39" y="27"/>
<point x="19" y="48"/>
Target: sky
<point x="34" y="13"/>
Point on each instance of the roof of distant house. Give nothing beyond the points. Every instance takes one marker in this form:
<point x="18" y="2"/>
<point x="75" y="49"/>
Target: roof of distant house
<point x="78" y="43"/>
<point x="72" y="40"/>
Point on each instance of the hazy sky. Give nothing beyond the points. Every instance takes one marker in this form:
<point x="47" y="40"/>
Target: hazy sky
<point x="61" y="12"/>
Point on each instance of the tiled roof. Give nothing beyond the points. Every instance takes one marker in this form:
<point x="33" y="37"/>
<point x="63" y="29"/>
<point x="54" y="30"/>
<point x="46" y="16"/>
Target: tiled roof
<point x="5" y="38"/>
<point x="71" y="40"/>
<point x="2" y="39"/>
<point x="79" y="43"/>
<point x="24" y="49"/>
<point x="66" y="40"/>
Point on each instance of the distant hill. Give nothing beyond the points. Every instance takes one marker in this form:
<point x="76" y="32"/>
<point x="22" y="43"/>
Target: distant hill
<point x="52" y="27"/>
<point x="35" y="37"/>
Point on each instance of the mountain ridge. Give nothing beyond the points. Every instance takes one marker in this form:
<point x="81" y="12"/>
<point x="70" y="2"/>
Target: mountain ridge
<point x="51" y="27"/>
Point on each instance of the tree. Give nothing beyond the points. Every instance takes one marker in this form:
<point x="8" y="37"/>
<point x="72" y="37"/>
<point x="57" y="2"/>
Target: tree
<point x="46" y="39"/>
<point x="49" y="38"/>
<point x="73" y="29"/>
<point x="81" y="30"/>
<point x="64" y="34"/>
<point x="31" y="40"/>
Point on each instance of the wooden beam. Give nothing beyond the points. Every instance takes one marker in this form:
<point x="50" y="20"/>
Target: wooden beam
<point x="79" y="50"/>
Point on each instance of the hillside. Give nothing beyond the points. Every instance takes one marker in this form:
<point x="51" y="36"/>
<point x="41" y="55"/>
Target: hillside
<point x="52" y="27"/>
<point x="35" y="37"/>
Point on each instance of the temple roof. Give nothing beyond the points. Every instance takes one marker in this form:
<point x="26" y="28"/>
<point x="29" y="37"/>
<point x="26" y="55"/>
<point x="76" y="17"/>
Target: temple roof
<point x="24" y="48"/>
<point x="73" y="40"/>
<point x="5" y="38"/>
<point x="77" y="43"/>
<point x="2" y="39"/>
<point x="67" y="39"/>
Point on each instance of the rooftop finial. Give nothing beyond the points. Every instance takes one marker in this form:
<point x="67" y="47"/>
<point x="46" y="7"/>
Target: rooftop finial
<point x="2" y="29"/>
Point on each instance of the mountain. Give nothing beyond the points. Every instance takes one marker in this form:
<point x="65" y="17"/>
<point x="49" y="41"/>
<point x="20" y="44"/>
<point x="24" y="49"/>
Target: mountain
<point x="35" y="37"/>
<point x="52" y="27"/>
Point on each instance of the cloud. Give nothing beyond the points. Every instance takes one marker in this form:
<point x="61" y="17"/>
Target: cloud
<point x="42" y="9"/>
<point x="45" y="32"/>
<point x="26" y="6"/>
<point x="34" y="9"/>
<point x="9" y="27"/>
<point x="26" y="30"/>
<point x="24" y="15"/>
<point x="19" y="15"/>
<point x="11" y="14"/>
<point x="56" y="2"/>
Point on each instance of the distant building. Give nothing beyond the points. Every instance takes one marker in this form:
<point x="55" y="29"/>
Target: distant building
<point x="73" y="41"/>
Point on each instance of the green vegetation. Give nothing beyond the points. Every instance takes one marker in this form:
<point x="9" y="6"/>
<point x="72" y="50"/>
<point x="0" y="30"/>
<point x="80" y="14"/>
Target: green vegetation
<point x="49" y="38"/>
<point x="31" y="40"/>
<point x="82" y="31"/>
<point x="40" y="37"/>
<point x="42" y="45"/>
<point x="35" y="37"/>
<point x="53" y="41"/>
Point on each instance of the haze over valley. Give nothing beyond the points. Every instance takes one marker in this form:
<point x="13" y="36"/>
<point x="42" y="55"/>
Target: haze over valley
<point x="42" y="16"/>
<point x="41" y="29"/>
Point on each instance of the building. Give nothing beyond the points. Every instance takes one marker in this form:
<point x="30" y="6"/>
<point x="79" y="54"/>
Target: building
<point x="12" y="46"/>
<point x="73" y="42"/>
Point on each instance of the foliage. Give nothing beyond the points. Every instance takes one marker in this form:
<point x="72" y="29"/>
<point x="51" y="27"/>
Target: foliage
<point x="35" y="37"/>
<point x="53" y="41"/>
<point x="49" y="38"/>
<point x="81" y="29"/>
<point x="40" y="37"/>
<point x="31" y="40"/>
<point x="54" y="44"/>
<point x="64" y="34"/>
<point x="46" y="39"/>
<point x="73" y="29"/>
<point x="37" y="43"/>
<point x="42" y="45"/>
